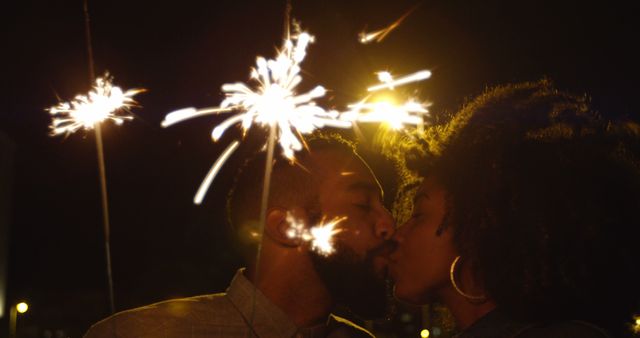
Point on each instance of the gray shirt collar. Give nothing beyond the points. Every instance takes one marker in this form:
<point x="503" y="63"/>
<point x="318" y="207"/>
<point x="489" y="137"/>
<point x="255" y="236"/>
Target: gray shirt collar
<point x="269" y="320"/>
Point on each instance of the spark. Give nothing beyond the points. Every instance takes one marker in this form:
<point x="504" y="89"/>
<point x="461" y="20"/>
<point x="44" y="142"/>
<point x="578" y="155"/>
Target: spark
<point x="379" y="35"/>
<point x="636" y="325"/>
<point x="388" y="82"/>
<point x="320" y="236"/>
<point x="104" y="102"/>
<point x="204" y="186"/>
<point x="385" y="77"/>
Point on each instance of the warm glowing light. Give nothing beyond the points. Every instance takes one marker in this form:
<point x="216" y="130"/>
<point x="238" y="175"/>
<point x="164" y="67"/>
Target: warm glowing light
<point x="388" y="82"/>
<point x="320" y="236"/>
<point x="386" y="111"/>
<point x="636" y="326"/>
<point x="22" y="307"/>
<point x="104" y="102"/>
<point x="424" y="333"/>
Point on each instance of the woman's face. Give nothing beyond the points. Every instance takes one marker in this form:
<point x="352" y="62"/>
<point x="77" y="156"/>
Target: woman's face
<point x="420" y="265"/>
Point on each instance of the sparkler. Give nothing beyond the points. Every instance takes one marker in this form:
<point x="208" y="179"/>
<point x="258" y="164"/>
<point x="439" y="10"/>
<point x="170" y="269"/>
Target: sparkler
<point x="320" y="236"/>
<point x="104" y="102"/>
<point x="273" y="103"/>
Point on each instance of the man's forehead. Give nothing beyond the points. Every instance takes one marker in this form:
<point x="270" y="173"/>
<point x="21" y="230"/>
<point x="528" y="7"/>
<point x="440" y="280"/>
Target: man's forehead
<point x="345" y="168"/>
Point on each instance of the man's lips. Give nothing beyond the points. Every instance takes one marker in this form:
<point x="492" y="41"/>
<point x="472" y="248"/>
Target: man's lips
<point x="384" y="250"/>
<point x="380" y="257"/>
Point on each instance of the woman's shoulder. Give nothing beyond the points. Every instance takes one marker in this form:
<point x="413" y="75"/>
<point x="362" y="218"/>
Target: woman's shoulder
<point x="564" y="329"/>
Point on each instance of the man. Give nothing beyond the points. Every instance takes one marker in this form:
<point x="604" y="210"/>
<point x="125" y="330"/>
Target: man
<point x="291" y="289"/>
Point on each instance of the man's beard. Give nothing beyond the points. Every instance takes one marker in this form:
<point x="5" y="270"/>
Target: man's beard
<point x="353" y="282"/>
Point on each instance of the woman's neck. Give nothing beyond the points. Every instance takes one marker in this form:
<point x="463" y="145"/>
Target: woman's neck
<point x="465" y="311"/>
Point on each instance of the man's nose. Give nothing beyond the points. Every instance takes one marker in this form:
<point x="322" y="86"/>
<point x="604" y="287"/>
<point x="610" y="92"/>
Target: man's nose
<point x="385" y="226"/>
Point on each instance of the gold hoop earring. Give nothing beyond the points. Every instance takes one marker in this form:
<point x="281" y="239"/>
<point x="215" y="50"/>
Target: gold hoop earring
<point x="455" y="285"/>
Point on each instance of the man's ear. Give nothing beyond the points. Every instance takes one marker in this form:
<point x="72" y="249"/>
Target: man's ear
<point x="279" y="229"/>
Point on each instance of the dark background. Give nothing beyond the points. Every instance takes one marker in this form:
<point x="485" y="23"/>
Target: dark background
<point x="162" y="245"/>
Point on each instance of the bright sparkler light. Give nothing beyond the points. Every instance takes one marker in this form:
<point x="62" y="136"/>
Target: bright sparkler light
<point x="105" y="101"/>
<point x="393" y="115"/>
<point x="274" y="103"/>
<point x="388" y="82"/>
<point x="385" y="111"/>
<point x="321" y="236"/>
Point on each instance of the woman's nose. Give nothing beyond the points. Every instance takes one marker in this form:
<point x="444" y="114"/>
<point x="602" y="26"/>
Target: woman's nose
<point x="400" y="232"/>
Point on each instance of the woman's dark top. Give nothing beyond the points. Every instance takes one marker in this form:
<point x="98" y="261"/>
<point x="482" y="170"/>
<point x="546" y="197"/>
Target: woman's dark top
<point x="497" y="324"/>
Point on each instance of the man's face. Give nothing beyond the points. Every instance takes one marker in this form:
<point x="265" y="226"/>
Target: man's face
<point x="356" y="272"/>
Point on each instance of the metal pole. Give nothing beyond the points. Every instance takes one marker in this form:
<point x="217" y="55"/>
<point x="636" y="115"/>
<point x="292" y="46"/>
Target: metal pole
<point x="103" y="176"/>
<point x="13" y="318"/>
<point x="105" y="214"/>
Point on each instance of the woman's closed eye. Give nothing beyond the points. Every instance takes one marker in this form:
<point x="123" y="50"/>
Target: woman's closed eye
<point x="417" y="214"/>
<point x="363" y="206"/>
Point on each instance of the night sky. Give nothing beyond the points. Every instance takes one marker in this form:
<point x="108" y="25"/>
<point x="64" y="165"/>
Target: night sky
<point x="182" y="52"/>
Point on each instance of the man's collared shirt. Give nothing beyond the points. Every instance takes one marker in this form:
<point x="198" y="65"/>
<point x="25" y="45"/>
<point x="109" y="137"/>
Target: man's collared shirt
<point x="230" y="314"/>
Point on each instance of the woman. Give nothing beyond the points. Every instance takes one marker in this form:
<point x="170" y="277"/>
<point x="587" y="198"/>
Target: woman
<point x="526" y="223"/>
